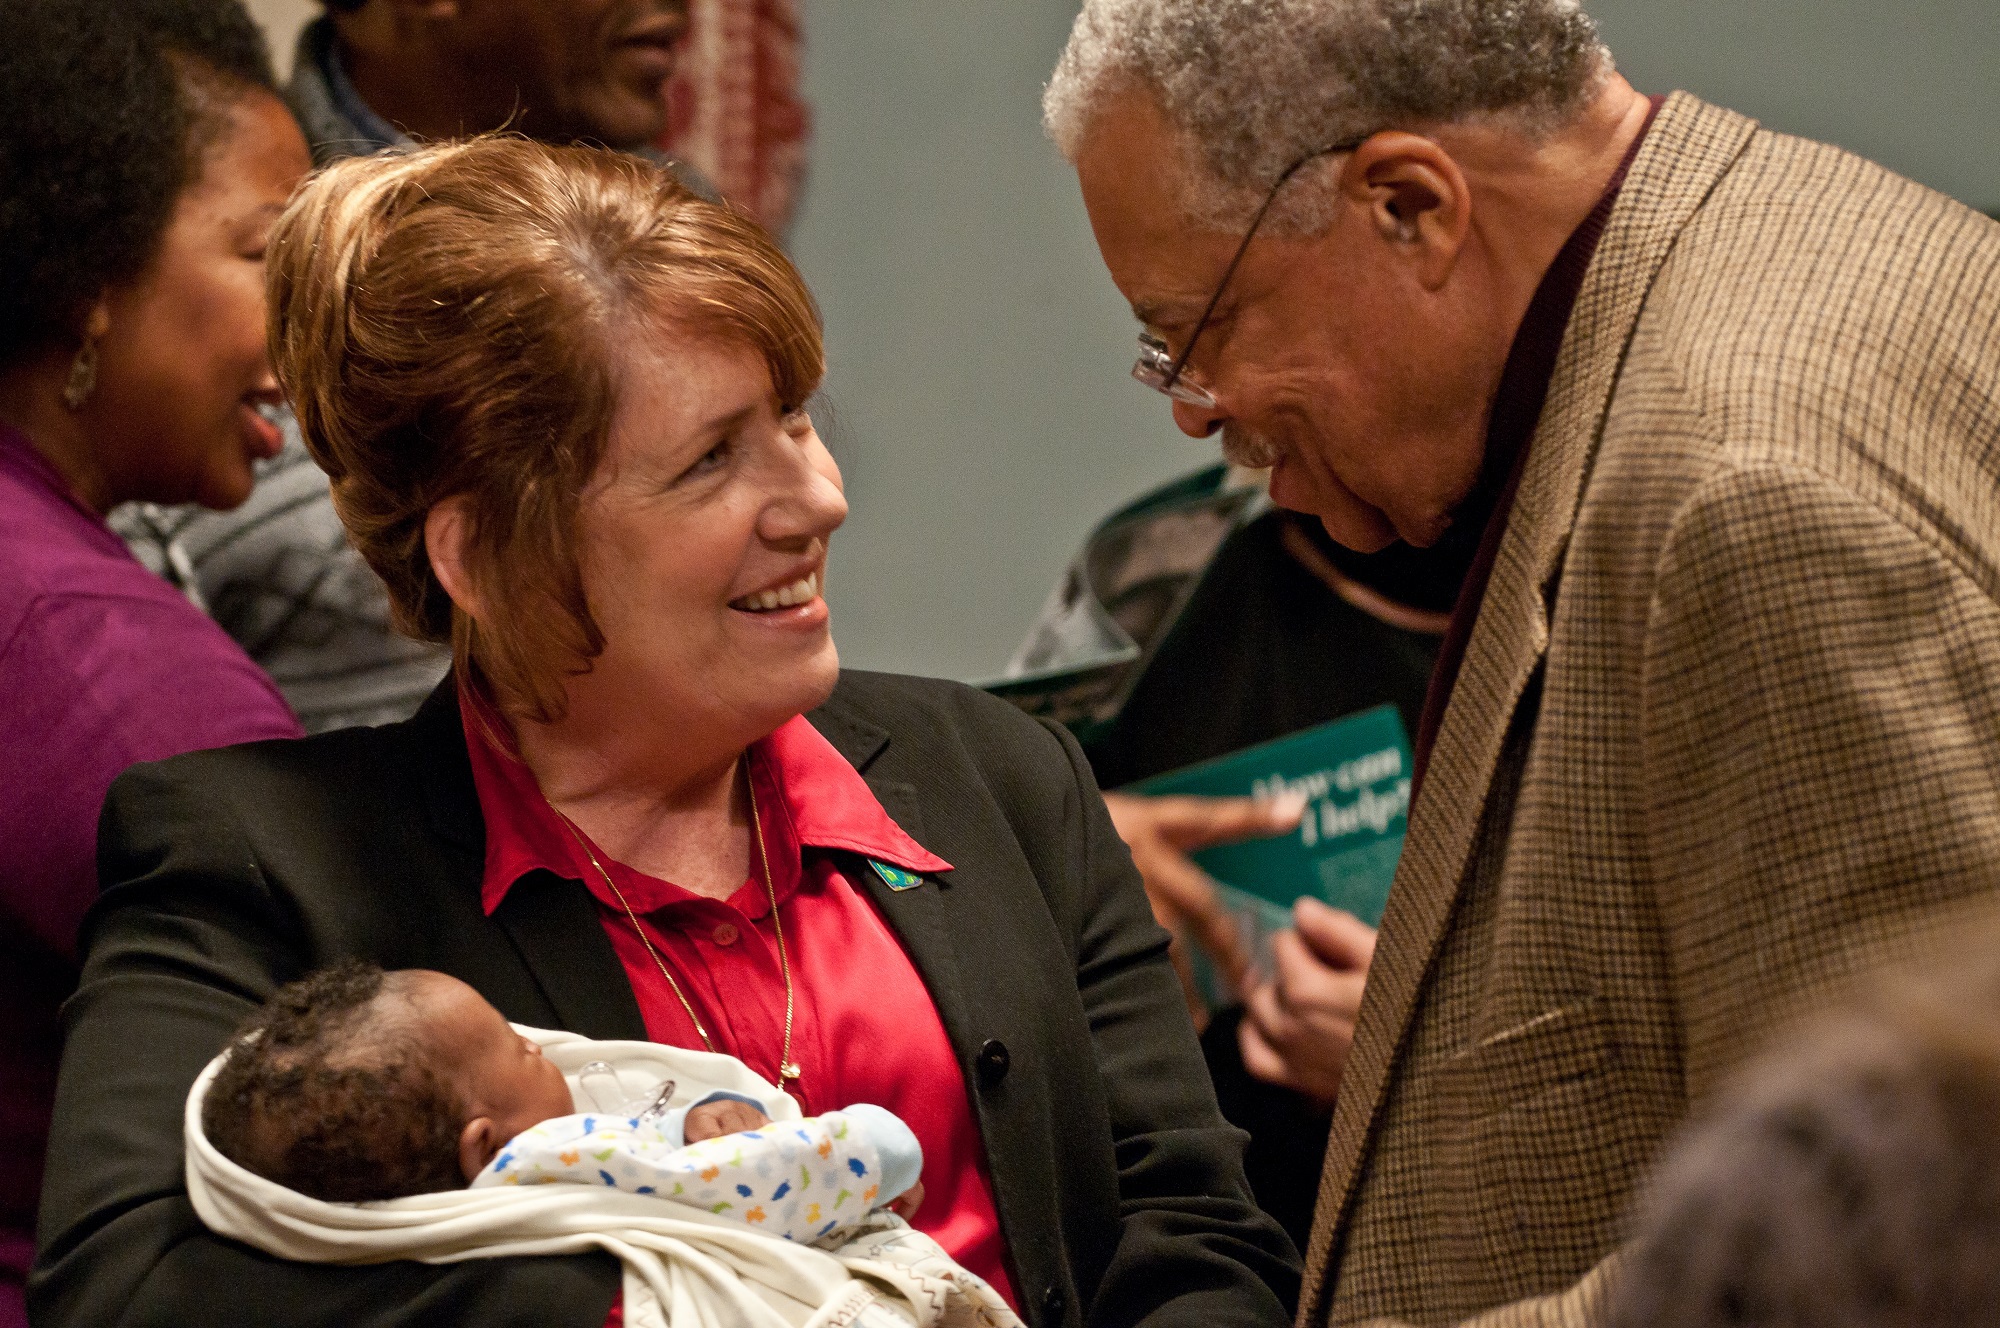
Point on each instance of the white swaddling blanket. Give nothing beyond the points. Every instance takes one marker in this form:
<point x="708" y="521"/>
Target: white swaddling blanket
<point x="684" y="1268"/>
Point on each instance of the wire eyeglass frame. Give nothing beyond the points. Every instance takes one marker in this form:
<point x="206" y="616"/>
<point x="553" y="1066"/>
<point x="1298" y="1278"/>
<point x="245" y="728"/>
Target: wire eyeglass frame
<point x="1162" y="371"/>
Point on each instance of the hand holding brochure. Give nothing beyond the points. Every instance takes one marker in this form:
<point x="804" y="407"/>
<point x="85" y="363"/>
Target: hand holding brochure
<point x="1355" y="776"/>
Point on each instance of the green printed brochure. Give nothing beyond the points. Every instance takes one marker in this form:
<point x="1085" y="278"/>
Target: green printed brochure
<point x="1355" y="775"/>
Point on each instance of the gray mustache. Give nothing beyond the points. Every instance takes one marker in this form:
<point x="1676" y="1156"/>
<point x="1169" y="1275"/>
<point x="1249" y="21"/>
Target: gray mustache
<point x="1248" y="447"/>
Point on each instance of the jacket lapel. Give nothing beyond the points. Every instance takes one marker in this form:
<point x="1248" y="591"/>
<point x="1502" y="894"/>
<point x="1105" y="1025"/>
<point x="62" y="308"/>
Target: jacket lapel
<point x="916" y="916"/>
<point x="1688" y="149"/>
<point x="856" y="739"/>
<point x="551" y="922"/>
<point x="556" y="930"/>
<point x="923" y="920"/>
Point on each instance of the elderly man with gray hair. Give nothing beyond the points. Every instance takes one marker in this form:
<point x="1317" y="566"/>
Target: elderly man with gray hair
<point x="1718" y="719"/>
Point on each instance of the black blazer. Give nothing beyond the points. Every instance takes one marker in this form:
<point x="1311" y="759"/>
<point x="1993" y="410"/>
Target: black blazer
<point x="226" y="873"/>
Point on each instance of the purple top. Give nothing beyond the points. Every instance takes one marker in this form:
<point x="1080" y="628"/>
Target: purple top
<point x="102" y="665"/>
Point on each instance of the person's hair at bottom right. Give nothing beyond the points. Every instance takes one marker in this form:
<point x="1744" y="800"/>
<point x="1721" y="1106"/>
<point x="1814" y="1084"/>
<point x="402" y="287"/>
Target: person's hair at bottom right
<point x="1849" y="1177"/>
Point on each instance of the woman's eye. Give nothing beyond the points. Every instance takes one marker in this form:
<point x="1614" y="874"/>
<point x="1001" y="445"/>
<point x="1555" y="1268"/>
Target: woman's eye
<point x="713" y="459"/>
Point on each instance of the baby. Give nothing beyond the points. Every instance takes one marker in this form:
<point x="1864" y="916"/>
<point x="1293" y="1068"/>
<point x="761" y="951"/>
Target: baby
<point x="357" y="1084"/>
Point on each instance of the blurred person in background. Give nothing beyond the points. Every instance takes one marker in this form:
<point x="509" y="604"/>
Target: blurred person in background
<point x="372" y="74"/>
<point x="1283" y="629"/>
<point x="144" y="154"/>
<point x="1714" y="722"/>
<point x="1848" y="1178"/>
<point x="278" y="572"/>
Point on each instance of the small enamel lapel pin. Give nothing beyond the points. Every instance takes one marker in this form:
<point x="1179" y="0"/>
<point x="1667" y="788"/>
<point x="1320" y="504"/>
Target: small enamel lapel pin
<point x="895" y="877"/>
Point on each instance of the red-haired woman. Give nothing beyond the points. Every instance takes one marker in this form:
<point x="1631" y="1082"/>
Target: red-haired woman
<point x="561" y="401"/>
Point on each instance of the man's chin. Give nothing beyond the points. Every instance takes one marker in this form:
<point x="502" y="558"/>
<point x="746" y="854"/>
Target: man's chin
<point x="627" y="118"/>
<point x="1422" y="534"/>
<point x="1369" y="539"/>
<point x="1350" y="521"/>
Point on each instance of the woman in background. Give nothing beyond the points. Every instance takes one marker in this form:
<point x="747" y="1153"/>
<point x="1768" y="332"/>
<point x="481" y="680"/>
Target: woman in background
<point x="145" y="155"/>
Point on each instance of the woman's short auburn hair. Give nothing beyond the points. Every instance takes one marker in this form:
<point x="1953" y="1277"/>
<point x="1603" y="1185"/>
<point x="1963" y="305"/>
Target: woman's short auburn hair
<point x="446" y="323"/>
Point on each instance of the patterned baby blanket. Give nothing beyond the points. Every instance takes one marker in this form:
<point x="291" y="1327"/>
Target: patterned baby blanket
<point x="684" y="1267"/>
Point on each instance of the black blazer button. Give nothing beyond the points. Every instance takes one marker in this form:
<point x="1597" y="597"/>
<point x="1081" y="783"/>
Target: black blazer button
<point x="993" y="1061"/>
<point x="1054" y="1303"/>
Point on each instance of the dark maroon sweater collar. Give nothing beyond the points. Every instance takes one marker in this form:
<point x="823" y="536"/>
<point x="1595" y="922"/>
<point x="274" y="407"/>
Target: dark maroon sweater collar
<point x="1517" y="408"/>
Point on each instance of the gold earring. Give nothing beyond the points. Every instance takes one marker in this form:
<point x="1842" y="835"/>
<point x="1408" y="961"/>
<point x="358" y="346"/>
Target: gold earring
<point x="82" y="376"/>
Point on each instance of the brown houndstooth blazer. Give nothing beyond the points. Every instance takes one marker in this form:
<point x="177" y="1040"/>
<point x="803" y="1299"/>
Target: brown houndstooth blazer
<point x="1728" y="728"/>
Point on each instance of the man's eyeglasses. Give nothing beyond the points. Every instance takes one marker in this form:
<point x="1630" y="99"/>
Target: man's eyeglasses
<point x="1163" y="372"/>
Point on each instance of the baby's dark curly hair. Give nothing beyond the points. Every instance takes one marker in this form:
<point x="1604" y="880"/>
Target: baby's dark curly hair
<point x="328" y="1091"/>
<point x="106" y="108"/>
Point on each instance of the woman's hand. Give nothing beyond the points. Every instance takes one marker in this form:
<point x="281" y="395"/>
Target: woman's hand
<point x="1161" y="832"/>
<point x="1298" y="1026"/>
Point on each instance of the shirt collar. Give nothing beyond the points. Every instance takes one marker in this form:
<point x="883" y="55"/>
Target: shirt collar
<point x="808" y="797"/>
<point x="829" y="804"/>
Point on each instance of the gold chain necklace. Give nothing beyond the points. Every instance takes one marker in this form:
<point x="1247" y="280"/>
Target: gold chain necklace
<point x="788" y="1069"/>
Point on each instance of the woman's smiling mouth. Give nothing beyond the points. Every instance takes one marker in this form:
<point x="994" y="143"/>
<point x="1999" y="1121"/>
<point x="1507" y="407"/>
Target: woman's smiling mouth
<point x="802" y="591"/>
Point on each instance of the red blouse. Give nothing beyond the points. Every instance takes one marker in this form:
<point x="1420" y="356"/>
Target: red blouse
<point x="864" y="1028"/>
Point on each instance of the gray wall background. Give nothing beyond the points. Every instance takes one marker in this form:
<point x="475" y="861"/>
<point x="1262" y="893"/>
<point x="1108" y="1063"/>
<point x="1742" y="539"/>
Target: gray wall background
<point x="978" y="353"/>
<point x="1909" y="83"/>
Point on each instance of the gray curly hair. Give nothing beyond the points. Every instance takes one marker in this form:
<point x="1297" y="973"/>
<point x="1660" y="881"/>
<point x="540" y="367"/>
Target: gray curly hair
<point x="1256" y="84"/>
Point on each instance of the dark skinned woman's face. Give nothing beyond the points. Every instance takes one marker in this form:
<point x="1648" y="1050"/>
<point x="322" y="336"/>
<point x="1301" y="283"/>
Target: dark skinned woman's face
<point x="182" y="366"/>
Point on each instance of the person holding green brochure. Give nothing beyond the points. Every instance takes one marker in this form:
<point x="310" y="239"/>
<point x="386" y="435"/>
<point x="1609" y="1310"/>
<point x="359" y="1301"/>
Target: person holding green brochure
<point x="1282" y="631"/>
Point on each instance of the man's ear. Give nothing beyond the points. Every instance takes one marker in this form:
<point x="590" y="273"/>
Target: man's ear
<point x="447" y="540"/>
<point x="1416" y="199"/>
<point x="478" y="1144"/>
